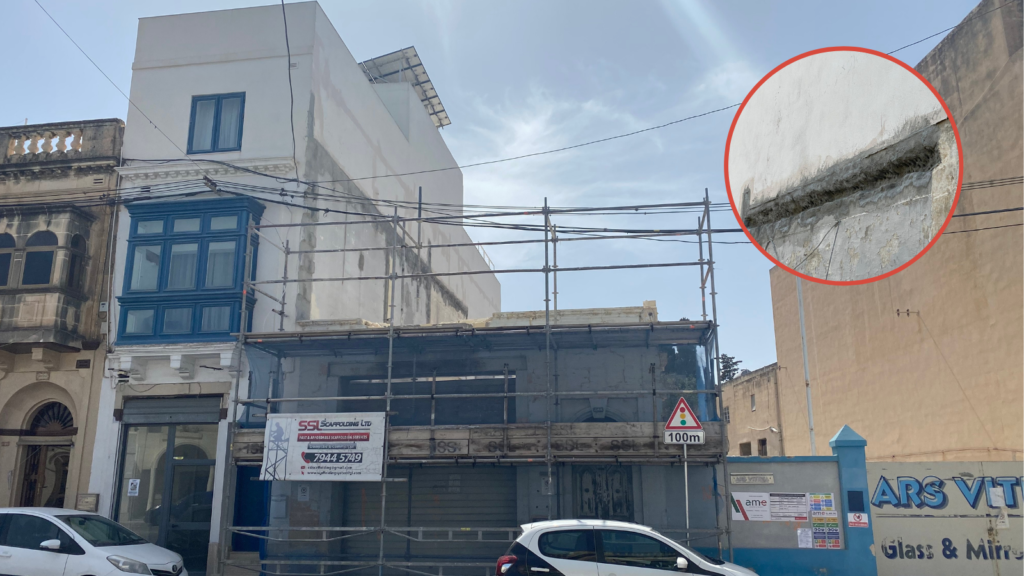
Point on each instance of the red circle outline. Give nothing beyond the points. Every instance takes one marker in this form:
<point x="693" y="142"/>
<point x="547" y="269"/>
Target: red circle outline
<point x="959" y="178"/>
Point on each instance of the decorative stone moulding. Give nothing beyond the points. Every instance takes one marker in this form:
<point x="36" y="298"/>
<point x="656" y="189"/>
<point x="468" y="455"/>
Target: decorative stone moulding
<point x="136" y="360"/>
<point x="186" y="170"/>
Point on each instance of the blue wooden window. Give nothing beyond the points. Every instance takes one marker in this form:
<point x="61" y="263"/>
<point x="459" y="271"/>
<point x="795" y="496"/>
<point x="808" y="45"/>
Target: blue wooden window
<point x="183" y="278"/>
<point x="216" y="123"/>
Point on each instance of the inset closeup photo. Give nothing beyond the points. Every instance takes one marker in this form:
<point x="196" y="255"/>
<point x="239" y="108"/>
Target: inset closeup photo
<point x="843" y="165"/>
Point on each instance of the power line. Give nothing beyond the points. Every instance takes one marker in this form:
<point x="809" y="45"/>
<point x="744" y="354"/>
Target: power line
<point x="291" y="92"/>
<point x="95" y="65"/>
<point x="951" y="27"/>
<point x="981" y="229"/>
<point x="1017" y="209"/>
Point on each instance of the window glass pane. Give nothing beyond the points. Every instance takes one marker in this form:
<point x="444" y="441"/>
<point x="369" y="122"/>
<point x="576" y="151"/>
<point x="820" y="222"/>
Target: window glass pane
<point x="177" y="320"/>
<point x="230" y="121"/>
<point x="181" y="272"/>
<point x="7" y="241"/>
<point x="220" y="264"/>
<point x="224" y="222"/>
<point x="186" y="225"/>
<point x="570" y="545"/>
<point x="632" y="549"/>
<point x="217" y="319"/>
<point x="150" y="227"/>
<point x="145" y="268"/>
<point x="139" y="322"/>
<point x="202" y="125"/>
<point x="43" y="238"/>
<point x="101" y="532"/>
<point x="26" y="531"/>
<point x="37" y="268"/>
<point x="5" y="268"/>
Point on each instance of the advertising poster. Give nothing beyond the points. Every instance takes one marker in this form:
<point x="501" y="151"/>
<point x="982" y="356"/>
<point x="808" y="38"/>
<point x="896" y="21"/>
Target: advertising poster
<point x="824" y="521"/>
<point x="343" y="447"/>
<point x="751" y="506"/>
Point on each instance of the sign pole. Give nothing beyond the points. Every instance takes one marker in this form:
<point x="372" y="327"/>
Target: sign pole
<point x="686" y="488"/>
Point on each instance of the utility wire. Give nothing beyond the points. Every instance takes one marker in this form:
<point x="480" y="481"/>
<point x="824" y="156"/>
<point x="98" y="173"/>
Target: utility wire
<point x="1017" y="209"/>
<point x="291" y="92"/>
<point x="951" y="27"/>
<point x="116" y="87"/>
<point x="981" y="229"/>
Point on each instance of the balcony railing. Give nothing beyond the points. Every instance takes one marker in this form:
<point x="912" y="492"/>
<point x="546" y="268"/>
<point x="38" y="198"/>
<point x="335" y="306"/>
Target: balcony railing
<point x="60" y="142"/>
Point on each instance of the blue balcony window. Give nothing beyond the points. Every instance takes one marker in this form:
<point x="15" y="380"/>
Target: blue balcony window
<point x="216" y="123"/>
<point x="183" y="278"/>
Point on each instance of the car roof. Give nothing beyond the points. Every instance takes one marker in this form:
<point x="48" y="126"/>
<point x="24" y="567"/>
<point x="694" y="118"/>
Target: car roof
<point x="588" y="523"/>
<point x="47" y="511"/>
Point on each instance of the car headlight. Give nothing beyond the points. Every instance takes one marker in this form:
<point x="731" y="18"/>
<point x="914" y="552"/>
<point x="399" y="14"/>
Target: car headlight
<point x="128" y="565"/>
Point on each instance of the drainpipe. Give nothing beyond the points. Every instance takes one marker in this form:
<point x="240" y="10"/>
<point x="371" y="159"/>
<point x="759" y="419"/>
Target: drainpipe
<point x="807" y="372"/>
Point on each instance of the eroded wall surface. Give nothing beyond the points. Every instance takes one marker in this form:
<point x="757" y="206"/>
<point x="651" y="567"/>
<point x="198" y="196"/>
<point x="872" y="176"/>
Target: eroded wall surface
<point x="843" y="165"/>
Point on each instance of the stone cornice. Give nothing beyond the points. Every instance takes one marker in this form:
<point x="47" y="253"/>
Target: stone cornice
<point x="186" y="170"/>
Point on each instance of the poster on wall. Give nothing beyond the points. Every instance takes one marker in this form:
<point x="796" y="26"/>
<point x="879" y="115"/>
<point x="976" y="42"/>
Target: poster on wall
<point x="338" y="447"/>
<point x="751" y="506"/>
<point x="788" y="506"/>
<point x="824" y="521"/>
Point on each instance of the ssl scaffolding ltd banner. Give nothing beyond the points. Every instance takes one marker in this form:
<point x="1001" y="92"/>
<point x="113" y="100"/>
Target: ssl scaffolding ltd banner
<point x="346" y="447"/>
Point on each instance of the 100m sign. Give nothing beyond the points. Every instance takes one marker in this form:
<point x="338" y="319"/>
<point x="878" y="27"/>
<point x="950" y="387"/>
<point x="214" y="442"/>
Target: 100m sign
<point x="684" y="436"/>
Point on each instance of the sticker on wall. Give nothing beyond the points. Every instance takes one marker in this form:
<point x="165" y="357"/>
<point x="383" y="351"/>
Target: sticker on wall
<point x="752" y="506"/>
<point x="133" y="486"/>
<point x="857" y="520"/>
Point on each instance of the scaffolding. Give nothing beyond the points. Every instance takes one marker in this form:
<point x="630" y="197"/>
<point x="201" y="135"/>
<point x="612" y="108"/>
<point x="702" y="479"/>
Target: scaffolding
<point x="402" y="240"/>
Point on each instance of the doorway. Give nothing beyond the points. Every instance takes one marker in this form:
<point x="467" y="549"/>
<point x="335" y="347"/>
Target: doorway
<point x="46" y="456"/>
<point x="603" y="492"/>
<point x="166" y="493"/>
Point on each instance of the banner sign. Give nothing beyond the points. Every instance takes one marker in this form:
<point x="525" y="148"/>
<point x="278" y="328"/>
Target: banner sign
<point x="340" y="447"/>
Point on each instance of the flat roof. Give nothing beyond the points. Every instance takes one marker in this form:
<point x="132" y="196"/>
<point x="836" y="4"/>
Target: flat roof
<point x="463" y="338"/>
<point x="405" y="66"/>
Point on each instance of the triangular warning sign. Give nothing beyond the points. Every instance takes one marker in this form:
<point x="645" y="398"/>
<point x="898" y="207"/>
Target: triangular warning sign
<point x="683" y="418"/>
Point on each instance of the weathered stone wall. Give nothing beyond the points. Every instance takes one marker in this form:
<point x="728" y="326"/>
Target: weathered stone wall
<point x="944" y="381"/>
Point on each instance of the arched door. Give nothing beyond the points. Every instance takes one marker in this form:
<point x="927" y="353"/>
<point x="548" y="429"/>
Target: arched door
<point x="45" y="463"/>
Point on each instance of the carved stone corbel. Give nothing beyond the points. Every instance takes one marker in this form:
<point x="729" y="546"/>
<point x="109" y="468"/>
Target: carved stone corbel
<point x="185" y="365"/>
<point x="135" y="368"/>
<point x="50" y="359"/>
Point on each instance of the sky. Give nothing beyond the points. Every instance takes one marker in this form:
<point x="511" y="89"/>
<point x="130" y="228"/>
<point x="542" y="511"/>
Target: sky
<point x="527" y="76"/>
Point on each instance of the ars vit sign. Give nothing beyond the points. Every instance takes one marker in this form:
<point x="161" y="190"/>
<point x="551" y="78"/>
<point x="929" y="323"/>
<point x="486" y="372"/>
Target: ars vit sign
<point x="345" y="447"/>
<point x="682" y="426"/>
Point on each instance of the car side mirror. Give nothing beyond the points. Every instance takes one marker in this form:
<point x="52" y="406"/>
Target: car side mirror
<point x="682" y="563"/>
<point x="53" y="544"/>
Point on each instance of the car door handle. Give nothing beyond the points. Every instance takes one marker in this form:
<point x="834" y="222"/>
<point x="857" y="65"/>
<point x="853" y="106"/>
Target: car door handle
<point x="5" y="554"/>
<point x="539" y="570"/>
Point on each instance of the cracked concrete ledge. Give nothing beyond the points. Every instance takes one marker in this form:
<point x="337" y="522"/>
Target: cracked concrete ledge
<point x="864" y="216"/>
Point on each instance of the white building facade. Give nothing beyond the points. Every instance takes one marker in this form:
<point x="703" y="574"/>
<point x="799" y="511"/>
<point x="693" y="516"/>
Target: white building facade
<point x="208" y="155"/>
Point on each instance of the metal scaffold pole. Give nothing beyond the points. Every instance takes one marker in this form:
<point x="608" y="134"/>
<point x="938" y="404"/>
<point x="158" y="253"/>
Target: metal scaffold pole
<point x="718" y="376"/>
<point x="387" y="394"/>
<point x="547" y="360"/>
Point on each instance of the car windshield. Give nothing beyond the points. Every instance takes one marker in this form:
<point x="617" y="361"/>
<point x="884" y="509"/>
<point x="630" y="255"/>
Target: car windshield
<point x="100" y="532"/>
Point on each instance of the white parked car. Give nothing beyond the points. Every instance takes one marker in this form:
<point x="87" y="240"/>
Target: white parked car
<point x="603" y="548"/>
<point x="59" y="542"/>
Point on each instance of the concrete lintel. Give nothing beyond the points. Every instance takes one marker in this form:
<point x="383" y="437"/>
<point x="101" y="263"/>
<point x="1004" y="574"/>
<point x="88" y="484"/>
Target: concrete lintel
<point x="134" y="366"/>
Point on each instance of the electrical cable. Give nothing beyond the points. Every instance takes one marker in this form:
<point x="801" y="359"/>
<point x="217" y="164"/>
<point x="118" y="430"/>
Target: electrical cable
<point x="291" y="91"/>
<point x="981" y="229"/>
<point x="1017" y="209"/>
<point x="951" y="27"/>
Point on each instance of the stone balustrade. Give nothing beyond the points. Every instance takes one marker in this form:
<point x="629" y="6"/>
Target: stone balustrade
<point x="60" y="142"/>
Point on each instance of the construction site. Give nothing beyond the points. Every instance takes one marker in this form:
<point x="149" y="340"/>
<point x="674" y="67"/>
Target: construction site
<point x="488" y="424"/>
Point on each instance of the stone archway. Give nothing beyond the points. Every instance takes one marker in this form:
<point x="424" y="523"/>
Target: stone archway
<point x="46" y="455"/>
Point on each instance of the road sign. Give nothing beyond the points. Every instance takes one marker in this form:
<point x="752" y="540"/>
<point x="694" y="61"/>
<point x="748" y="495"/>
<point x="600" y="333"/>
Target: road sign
<point x="683" y="427"/>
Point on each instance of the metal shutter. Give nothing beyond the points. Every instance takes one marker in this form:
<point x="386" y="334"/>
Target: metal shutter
<point x="441" y="497"/>
<point x="204" y="409"/>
